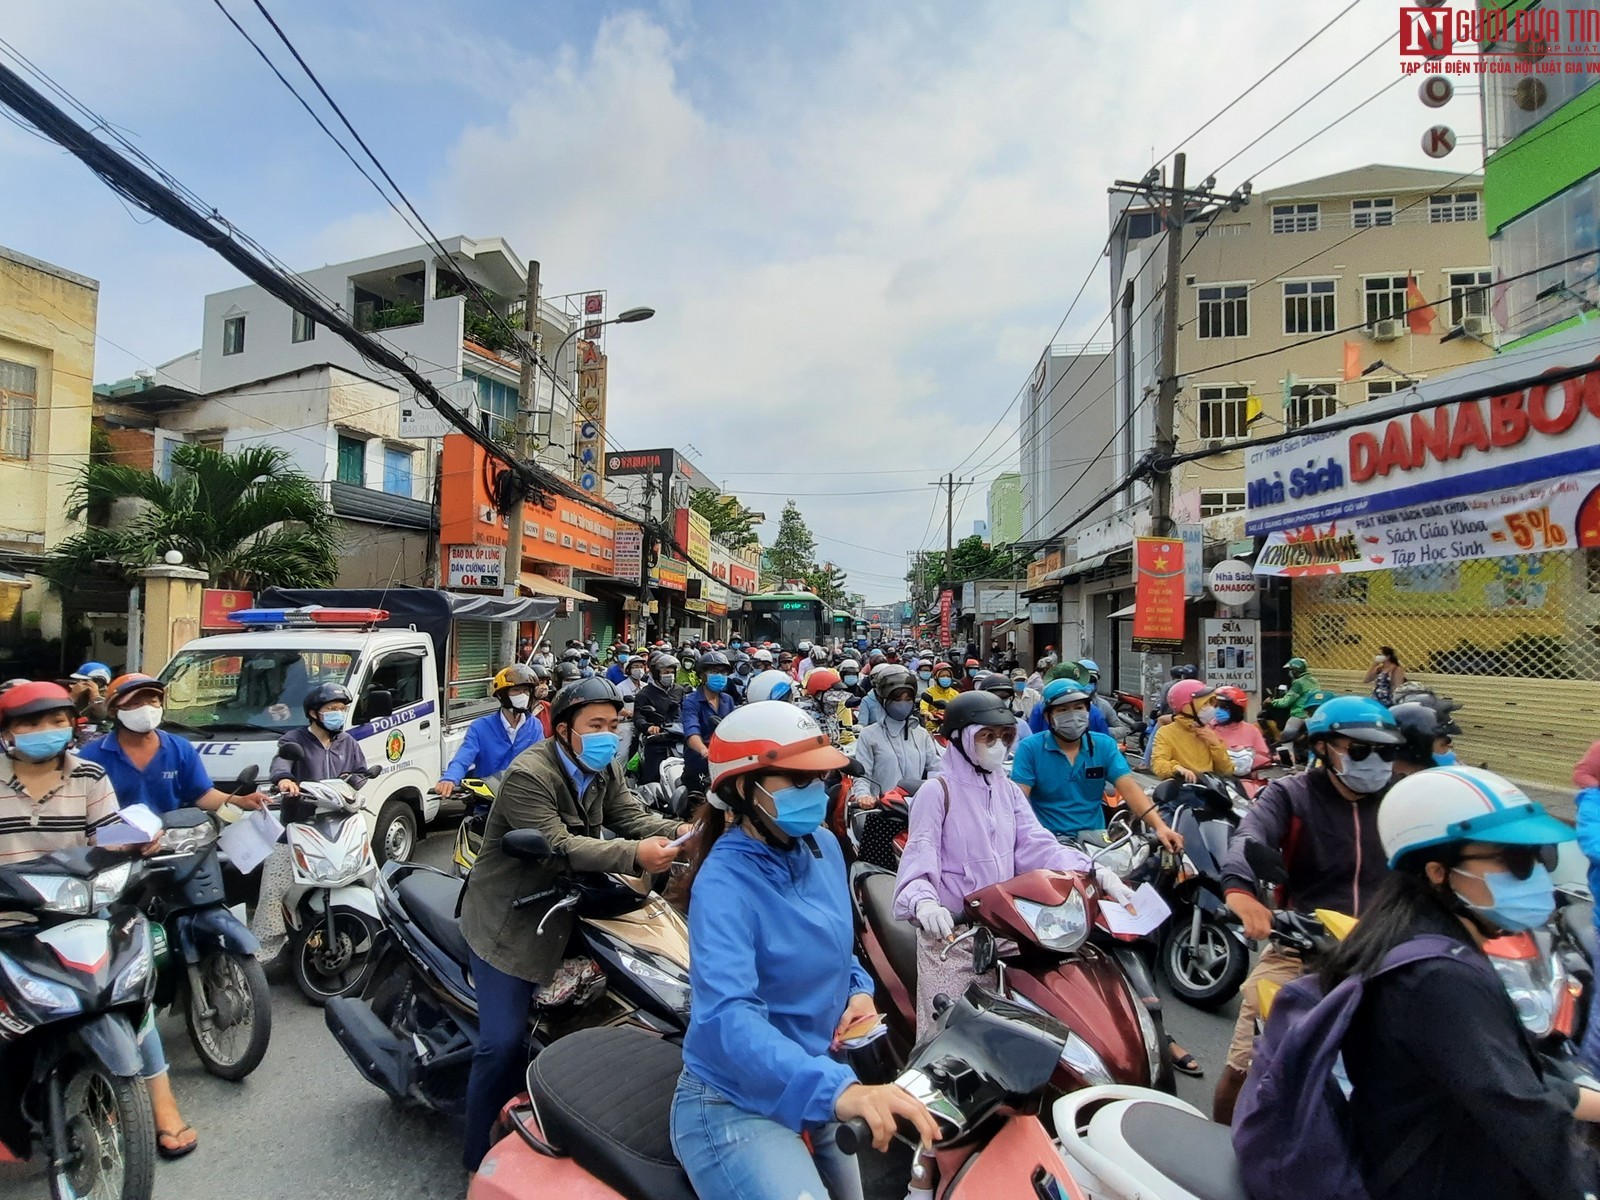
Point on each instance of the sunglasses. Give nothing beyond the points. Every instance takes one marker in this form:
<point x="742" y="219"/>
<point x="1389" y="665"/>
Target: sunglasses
<point x="1358" y="751"/>
<point x="988" y="737"/>
<point x="1519" y="860"/>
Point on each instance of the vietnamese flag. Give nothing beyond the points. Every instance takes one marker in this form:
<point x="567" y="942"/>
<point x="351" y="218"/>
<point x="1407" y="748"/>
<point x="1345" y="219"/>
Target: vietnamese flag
<point x="1352" y="361"/>
<point x="1420" y="315"/>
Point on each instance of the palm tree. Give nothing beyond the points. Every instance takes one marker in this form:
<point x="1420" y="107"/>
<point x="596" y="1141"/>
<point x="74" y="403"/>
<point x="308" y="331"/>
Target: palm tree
<point x="249" y="519"/>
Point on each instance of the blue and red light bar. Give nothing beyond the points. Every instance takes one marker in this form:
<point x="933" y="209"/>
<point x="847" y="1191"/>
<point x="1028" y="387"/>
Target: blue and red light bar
<point x="308" y="616"/>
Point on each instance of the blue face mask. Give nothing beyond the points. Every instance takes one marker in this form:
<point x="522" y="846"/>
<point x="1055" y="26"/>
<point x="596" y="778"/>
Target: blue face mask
<point x="1019" y="685"/>
<point x="598" y="750"/>
<point x="716" y="682"/>
<point x="1222" y="718"/>
<point x="851" y="680"/>
<point x="800" y="810"/>
<point x="899" y="710"/>
<point x="972" y="672"/>
<point x="1447" y="759"/>
<point x="41" y="745"/>
<point x="1518" y="904"/>
<point x="944" y="681"/>
<point x="332" y="721"/>
<point x="925" y="676"/>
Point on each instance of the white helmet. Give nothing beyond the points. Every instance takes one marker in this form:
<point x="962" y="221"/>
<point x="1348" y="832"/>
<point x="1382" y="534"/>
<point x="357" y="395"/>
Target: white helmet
<point x="763" y="656"/>
<point x="769" y="736"/>
<point x="1462" y="804"/>
<point x="804" y="647"/>
<point x="849" y="664"/>
<point x="770" y="685"/>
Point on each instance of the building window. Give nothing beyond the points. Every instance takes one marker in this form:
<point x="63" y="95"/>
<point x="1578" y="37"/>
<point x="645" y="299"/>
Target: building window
<point x="233" y="335"/>
<point x="304" y="328"/>
<point x="1296" y="218"/>
<point x="1469" y="294"/>
<point x="1214" y="504"/>
<point x="1308" y="306"/>
<point x="1310" y="402"/>
<point x="19" y="393"/>
<point x="1384" y="387"/>
<point x="1451" y="207"/>
<point x="397" y="471"/>
<point x="1385" y="296"/>
<point x="1223" y="411"/>
<point x="352" y="461"/>
<point x="1225" y="311"/>
<point x="497" y="405"/>
<point x="1364" y="214"/>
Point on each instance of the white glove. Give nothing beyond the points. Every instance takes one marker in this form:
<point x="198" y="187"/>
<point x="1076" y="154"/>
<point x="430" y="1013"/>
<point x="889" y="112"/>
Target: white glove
<point x="935" y="919"/>
<point x="1111" y="885"/>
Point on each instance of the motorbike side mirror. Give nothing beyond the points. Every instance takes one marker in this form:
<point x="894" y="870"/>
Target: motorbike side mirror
<point x="529" y="845"/>
<point x="379" y="702"/>
<point x="374" y="770"/>
<point x="984" y="951"/>
<point x="246" y="783"/>
<point x="1266" y="862"/>
<point x="291" y="751"/>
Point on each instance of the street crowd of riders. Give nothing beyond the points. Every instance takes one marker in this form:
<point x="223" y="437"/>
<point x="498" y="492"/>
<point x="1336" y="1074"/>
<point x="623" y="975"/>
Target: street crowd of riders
<point x="1005" y="769"/>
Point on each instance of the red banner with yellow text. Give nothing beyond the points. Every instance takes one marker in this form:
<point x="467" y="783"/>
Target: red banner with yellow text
<point x="1158" y="594"/>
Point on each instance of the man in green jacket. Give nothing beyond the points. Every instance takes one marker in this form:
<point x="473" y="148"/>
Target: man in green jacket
<point x="568" y="787"/>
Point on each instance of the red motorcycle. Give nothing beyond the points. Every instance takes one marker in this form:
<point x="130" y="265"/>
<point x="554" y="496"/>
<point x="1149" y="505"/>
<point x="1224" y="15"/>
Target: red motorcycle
<point x="594" y="1124"/>
<point x="1068" y="966"/>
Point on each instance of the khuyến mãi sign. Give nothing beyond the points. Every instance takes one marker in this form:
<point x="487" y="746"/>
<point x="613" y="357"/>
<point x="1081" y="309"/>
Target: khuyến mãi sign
<point x="1559" y="514"/>
<point x="1158" y="593"/>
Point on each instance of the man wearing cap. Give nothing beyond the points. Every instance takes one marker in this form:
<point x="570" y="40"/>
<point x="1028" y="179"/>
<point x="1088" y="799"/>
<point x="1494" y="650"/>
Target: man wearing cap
<point x="1065" y="771"/>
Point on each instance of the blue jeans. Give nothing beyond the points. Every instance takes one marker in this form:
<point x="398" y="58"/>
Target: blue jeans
<point x="730" y="1154"/>
<point x="500" y="1061"/>
<point x="152" y="1056"/>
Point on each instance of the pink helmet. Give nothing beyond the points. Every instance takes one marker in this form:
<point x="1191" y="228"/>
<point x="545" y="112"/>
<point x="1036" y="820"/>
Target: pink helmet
<point x="1185" y="692"/>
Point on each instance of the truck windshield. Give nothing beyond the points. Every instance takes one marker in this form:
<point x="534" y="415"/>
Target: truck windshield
<point x="257" y="689"/>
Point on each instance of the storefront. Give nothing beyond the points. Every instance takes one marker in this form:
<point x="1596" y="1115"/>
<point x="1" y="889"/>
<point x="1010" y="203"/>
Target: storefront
<point x="1465" y="535"/>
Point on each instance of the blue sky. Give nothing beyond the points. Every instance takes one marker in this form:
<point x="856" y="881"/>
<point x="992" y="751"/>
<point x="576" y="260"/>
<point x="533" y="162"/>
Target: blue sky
<point x="859" y="222"/>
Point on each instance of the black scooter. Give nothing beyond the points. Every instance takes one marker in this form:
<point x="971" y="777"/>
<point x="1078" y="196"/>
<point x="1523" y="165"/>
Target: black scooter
<point x="205" y="955"/>
<point x="414" y="1028"/>
<point x="76" y="978"/>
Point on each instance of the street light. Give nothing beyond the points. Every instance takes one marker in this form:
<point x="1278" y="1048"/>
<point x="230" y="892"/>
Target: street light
<point x="628" y="316"/>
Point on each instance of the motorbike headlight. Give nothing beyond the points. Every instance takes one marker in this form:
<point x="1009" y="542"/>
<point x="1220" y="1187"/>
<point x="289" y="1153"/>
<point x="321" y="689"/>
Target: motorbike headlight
<point x="1060" y="927"/>
<point x="111" y="883"/>
<point x="1081" y="1058"/>
<point x="1155" y="1046"/>
<point x="60" y="893"/>
<point x="46" y="997"/>
<point x="1534" y="1004"/>
<point x="672" y="986"/>
<point x="189" y="840"/>
<point x="130" y="981"/>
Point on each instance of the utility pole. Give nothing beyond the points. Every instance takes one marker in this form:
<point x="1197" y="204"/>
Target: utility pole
<point x="1178" y="206"/>
<point x="526" y="449"/>
<point x="949" y="483"/>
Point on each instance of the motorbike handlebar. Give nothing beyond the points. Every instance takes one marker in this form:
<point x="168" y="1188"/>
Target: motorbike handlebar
<point x="853" y="1136"/>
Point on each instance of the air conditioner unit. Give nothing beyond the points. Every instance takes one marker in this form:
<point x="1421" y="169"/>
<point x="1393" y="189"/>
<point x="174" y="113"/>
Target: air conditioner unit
<point x="1215" y="443"/>
<point x="1477" y="325"/>
<point x="1388" y="331"/>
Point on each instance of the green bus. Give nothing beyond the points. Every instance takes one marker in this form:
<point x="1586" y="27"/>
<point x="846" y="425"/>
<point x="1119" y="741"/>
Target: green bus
<point x="787" y="618"/>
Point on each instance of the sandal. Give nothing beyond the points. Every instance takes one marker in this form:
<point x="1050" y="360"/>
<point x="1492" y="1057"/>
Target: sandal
<point x="174" y="1152"/>
<point x="1187" y="1063"/>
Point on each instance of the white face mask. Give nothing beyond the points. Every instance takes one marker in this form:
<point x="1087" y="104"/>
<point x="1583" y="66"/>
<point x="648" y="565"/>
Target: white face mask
<point x="519" y="701"/>
<point x="142" y="719"/>
<point x="991" y="757"/>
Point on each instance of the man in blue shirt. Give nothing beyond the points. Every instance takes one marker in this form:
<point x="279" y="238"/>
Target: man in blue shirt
<point x="147" y="765"/>
<point x="703" y="710"/>
<point x="496" y="738"/>
<point x="1065" y="771"/>
<point x="618" y="670"/>
<point x="1072" y="673"/>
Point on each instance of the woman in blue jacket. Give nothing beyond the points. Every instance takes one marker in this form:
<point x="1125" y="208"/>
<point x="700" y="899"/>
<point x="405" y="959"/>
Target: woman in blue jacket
<point x="773" y="976"/>
<point x="496" y="738"/>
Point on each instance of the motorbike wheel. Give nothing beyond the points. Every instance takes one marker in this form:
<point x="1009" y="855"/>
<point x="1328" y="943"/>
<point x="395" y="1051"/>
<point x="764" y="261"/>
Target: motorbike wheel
<point x="324" y="968"/>
<point x="1206" y="972"/>
<point x="235" y="1040"/>
<point x="394" y="839"/>
<point x="110" y="1137"/>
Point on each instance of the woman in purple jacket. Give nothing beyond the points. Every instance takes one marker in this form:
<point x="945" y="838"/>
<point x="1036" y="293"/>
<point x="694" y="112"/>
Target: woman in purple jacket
<point x="972" y="827"/>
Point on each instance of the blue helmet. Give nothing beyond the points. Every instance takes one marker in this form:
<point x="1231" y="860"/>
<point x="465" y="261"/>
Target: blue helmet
<point x="1063" y="691"/>
<point x="1359" y="718"/>
<point x="1089" y="665"/>
<point x="97" y="671"/>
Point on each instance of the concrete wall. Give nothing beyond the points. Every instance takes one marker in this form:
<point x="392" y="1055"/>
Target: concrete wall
<point x="372" y="556"/>
<point x="1068" y="414"/>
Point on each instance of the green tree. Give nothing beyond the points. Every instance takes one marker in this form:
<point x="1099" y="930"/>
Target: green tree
<point x="829" y="582"/>
<point x="970" y="559"/>
<point x="249" y="519"/>
<point x="732" y="523"/>
<point x="793" y="552"/>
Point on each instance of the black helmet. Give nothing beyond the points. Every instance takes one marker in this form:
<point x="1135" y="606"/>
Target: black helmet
<point x="572" y="654"/>
<point x="567" y="672"/>
<point x="597" y="689"/>
<point x="665" y="662"/>
<point x="888" y="680"/>
<point x="976" y="708"/>
<point x="998" y="683"/>
<point x="712" y="662"/>
<point x="1186" y="671"/>
<point x="325" y="694"/>
<point x="540" y="674"/>
<point x="1419" y="725"/>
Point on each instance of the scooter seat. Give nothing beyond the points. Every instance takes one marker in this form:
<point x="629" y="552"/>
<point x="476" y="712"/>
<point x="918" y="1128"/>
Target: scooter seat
<point x="1181" y="1149"/>
<point x="898" y="938"/>
<point x="429" y="898"/>
<point x="604" y="1096"/>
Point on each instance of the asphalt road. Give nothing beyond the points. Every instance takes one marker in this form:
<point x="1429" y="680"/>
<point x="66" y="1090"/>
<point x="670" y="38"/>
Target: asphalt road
<point x="306" y="1126"/>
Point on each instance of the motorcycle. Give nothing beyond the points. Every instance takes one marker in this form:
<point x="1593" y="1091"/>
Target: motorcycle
<point x="77" y="974"/>
<point x="1069" y="966"/>
<point x="205" y="955"/>
<point x="983" y="1074"/>
<point x="329" y="911"/>
<point x="414" y="1028"/>
<point x="655" y="749"/>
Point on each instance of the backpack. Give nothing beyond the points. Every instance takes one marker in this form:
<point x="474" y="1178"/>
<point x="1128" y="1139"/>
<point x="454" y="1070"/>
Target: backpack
<point x="1291" y="1127"/>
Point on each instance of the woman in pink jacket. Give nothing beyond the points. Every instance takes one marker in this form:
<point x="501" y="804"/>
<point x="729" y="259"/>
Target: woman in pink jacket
<point x="972" y="827"/>
<point x="1242" y="737"/>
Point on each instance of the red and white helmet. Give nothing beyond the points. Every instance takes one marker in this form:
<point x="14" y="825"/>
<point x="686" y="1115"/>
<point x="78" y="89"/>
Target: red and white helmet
<point x="820" y="680"/>
<point x="769" y="735"/>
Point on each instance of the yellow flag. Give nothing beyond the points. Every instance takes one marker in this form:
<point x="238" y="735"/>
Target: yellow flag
<point x="1252" y="409"/>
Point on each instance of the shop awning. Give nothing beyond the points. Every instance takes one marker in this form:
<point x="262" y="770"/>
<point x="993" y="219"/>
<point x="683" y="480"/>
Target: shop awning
<point x="1083" y="566"/>
<point x="1005" y="626"/>
<point x="540" y="586"/>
